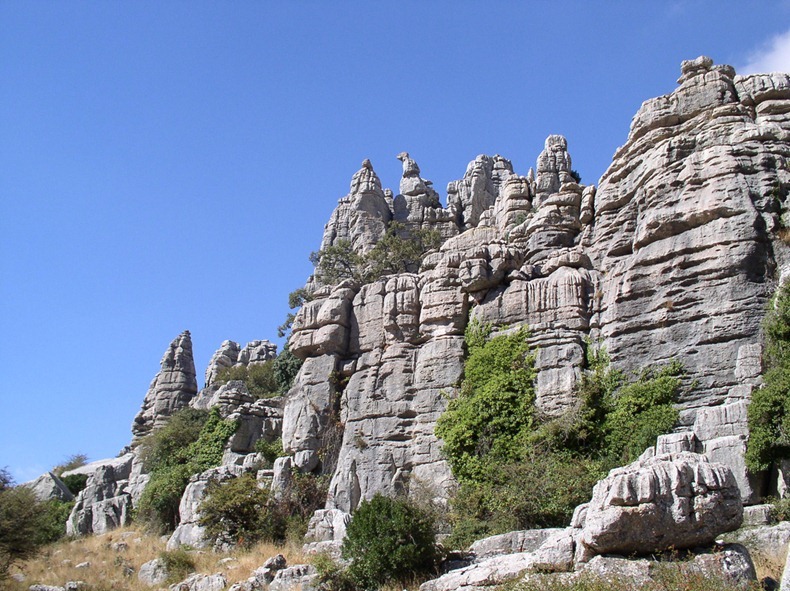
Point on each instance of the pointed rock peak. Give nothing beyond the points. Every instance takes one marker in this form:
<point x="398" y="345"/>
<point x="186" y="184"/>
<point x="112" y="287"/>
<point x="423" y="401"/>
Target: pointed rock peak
<point x="554" y="166"/>
<point x="171" y="389"/>
<point x="365" y="180"/>
<point x="179" y="354"/>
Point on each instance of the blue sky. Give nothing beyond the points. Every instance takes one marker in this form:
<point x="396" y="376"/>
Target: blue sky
<point x="170" y="165"/>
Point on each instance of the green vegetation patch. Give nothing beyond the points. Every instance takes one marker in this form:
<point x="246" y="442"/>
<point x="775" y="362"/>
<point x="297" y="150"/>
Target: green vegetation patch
<point x="388" y="541"/>
<point x="399" y="251"/>
<point x="519" y="470"/>
<point x="769" y="410"/>
<point x="191" y="442"/>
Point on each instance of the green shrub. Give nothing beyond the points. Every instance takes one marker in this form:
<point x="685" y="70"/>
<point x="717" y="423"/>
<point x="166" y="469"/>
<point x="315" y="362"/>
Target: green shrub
<point x="331" y="575"/>
<point x="534" y="492"/>
<point x="22" y="521"/>
<point x="75" y="482"/>
<point x="53" y="518"/>
<point x="190" y="443"/>
<point x="518" y="470"/>
<point x="6" y="480"/>
<point x="239" y="513"/>
<point x="389" y="540"/>
<point x="286" y="366"/>
<point x="769" y="410"/>
<point x="399" y="251"/>
<point x="641" y="411"/>
<point x="163" y="445"/>
<point x="270" y="450"/>
<point x="178" y="564"/>
<point x="494" y="409"/>
<point x="158" y="505"/>
<point x="780" y="509"/>
<point x="259" y="378"/>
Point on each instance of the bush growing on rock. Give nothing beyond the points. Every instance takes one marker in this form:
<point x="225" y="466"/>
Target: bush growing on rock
<point x="75" y="483"/>
<point x="239" y="513"/>
<point x="493" y="412"/>
<point x="398" y="251"/>
<point x="260" y="378"/>
<point x="389" y="540"/>
<point x="286" y="366"/>
<point x="191" y="442"/>
<point x="518" y="470"/>
<point x="769" y="410"/>
<point x="70" y="463"/>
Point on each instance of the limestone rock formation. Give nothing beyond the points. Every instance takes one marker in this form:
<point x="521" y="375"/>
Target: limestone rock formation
<point x="189" y="531"/>
<point x="418" y="205"/>
<point x="172" y="388"/>
<point x="225" y="357"/>
<point x="673" y="256"/>
<point x="685" y="218"/>
<point x="669" y="501"/>
<point x="106" y="501"/>
<point x="48" y="486"/>
<point x="647" y="263"/>
<point x="362" y="216"/>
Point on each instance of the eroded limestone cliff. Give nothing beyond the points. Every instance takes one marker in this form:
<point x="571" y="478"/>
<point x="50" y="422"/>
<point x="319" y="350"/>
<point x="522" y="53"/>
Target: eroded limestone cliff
<point x="672" y="256"/>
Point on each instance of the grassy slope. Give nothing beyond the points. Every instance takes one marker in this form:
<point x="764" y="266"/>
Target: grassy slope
<point x="56" y="563"/>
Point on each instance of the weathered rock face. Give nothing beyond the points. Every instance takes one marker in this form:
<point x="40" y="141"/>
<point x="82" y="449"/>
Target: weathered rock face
<point x="673" y="256"/>
<point x="225" y="357"/>
<point x="172" y="388"/>
<point x="668" y="501"/>
<point x="189" y="531"/>
<point x="362" y="216"/>
<point x="106" y="501"/>
<point x="685" y="222"/>
<point x="48" y="486"/>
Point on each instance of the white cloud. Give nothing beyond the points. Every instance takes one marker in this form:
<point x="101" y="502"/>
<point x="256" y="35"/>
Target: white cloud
<point x="774" y="56"/>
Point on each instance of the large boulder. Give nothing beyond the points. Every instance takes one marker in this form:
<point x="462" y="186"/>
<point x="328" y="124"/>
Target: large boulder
<point x="668" y="501"/>
<point x="48" y="487"/>
<point x="189" y="531"/>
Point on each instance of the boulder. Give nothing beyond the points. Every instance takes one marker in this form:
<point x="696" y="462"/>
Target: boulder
<point x="200" y="582"/>
<point x="300" y="577"/>
<point x="667" y="501"/>
<point x="49" y="487"/>
<point x="153" y="573"/>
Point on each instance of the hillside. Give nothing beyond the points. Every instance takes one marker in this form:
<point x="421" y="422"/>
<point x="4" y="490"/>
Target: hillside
<point x="672" y="257"/>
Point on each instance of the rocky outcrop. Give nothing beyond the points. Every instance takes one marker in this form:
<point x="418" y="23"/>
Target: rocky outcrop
<point x="418" y="205"/>
<point x="672" y="256"/>
<point x="172" y="388"/>
<point x="224" y="358"/>
<point x="685" y="232"/>
<point x="362" y="216"/>
<point x="189" y="531"/>
<point x="106" y="501"/>
<point x="668" y="501"/>
<point x="49" y="487"/>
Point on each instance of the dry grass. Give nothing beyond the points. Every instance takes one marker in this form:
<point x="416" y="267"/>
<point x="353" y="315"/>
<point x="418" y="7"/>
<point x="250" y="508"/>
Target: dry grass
<point x="109" y="567"/>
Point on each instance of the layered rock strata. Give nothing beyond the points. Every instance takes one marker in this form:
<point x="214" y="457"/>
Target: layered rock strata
<point x="672" y="256"/>
<point x="172" y="388"/>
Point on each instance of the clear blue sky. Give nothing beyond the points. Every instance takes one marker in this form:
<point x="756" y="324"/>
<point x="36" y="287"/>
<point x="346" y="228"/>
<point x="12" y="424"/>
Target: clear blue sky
<point x="170" y="165"/>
